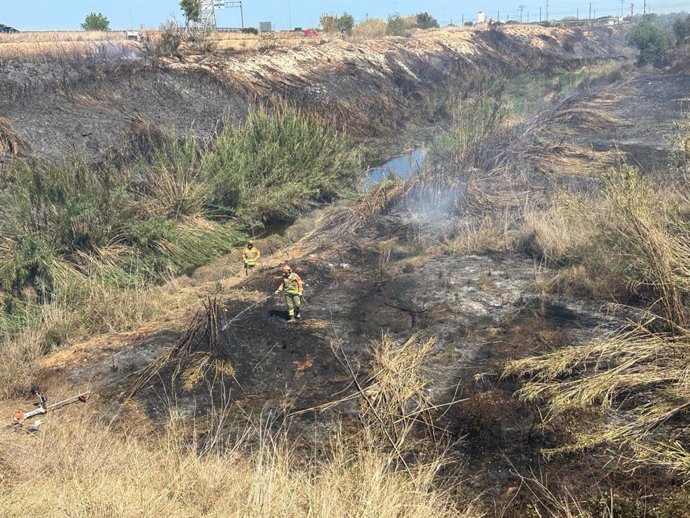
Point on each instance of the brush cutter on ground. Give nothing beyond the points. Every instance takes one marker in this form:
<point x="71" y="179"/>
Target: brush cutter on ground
<point x="42" y="406"/>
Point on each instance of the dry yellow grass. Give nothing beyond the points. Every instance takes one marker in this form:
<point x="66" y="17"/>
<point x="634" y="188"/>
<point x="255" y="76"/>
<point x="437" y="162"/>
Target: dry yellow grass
<point x="26" y="45"/>
<point x="85" y="470"/>
<point x="57" y="44"/>
<point x="228" y="41"/>
<point x="633" y="234"/>
<point x="372" y="28"/>
<point x="61" y="36"/>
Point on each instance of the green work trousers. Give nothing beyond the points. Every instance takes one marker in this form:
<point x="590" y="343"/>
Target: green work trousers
<point x="293" y="302"/>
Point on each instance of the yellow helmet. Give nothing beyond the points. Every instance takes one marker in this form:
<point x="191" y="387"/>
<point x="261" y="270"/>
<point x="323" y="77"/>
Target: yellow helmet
<point x="286" y="269"/>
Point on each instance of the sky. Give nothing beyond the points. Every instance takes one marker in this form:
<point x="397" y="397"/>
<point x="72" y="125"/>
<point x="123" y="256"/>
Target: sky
<point x="134" y="14"/>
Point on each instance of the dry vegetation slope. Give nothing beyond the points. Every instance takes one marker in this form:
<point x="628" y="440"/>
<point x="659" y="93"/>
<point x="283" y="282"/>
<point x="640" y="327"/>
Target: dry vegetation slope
<point x="58" y="105"/>
<point x="370" y="475"/>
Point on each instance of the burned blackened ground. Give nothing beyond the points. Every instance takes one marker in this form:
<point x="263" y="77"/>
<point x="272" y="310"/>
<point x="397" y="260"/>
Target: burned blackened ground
<point x="67" y="109"/>
<point x="357" y="287"/>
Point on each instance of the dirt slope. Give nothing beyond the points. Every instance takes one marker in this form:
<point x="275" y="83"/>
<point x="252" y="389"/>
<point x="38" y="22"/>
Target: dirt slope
<point x="371" y="88"/>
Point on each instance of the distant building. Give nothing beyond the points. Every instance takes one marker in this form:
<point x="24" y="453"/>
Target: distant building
<point x="5" y="29"/>
<point x="265" y="26"/>
<point x="481" y="17"/>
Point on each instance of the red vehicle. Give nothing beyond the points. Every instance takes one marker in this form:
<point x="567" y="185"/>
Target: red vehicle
<point x="310" y="33"/>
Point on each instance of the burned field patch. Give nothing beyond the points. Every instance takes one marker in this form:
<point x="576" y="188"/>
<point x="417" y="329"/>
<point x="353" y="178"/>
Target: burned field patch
<point x="245" y="351"/>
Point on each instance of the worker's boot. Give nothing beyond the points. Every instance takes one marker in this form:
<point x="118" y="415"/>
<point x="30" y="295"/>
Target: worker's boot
<point x="297" y="315"/>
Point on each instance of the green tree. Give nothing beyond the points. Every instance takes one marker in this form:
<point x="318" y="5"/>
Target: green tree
<point x="426" y="21"/>
<point x="651" y="41"/>
<point x="95" y="22"/>
<point x="191" y="10"/>
<point x="395" y="25"/>
<point x="346" y="22"/>
<point x="681" y="29"/>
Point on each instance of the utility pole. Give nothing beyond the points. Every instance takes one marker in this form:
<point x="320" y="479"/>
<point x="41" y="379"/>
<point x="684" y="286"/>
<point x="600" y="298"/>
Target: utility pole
<point x="540" y="14"/>
<point x="577" y="13"/>
<point x="289" y="16"/>
<point x="590" y="10"/>
<point x="498" y="16"/>
<point x="644" y="7"/>
<point x="547" y="11"/>
<point x="521" y="7"/>
<point x="622" y="8"/>
<point x="631" y="9"/>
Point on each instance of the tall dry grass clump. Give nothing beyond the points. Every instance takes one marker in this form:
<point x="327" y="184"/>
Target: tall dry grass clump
<point x="639" y="381"/>
<point x="11" y="144"/>
<point x="636" y="234"/>
<point x="394" y="401"/>
<point x="475" y="124"/>
<point x="87" y="471"/>
<point x="627" y="239"/>
<point x="370" y="28"/>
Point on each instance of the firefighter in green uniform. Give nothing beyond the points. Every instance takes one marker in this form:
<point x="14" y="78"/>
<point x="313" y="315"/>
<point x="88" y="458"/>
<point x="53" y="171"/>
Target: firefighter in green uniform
<point x="292" y="286"/>
<point x="250" y="256"/>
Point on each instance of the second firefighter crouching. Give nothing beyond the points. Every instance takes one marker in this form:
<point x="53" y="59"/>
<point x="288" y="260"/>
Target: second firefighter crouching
<point x="291" y="285"/>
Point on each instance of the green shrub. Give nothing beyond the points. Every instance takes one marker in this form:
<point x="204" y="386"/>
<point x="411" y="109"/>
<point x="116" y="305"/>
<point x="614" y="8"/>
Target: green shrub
<point x="173" y="184"/>
<point x="346" y="22"/>
<point x="681" y="30"/>
<point x="191" y="10"/>
<point x="72" y="207"/>
<point x="651" y="41"/>
<point x="426" y="21"/>
<point x="96" y="22"/>
<point x="272" y="167"/>
<point x="80" y="239"/>
<point x="332" y="23"/>
<point x="396" y="26"/>
<point x="29" y="263"/>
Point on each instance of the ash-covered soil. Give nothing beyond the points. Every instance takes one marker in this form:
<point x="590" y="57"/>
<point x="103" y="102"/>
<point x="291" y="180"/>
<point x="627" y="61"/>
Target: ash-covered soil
<point x="383" y="278"/>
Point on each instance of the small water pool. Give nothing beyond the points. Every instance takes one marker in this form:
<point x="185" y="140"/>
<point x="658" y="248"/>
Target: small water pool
<point x="403" y="166"/>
